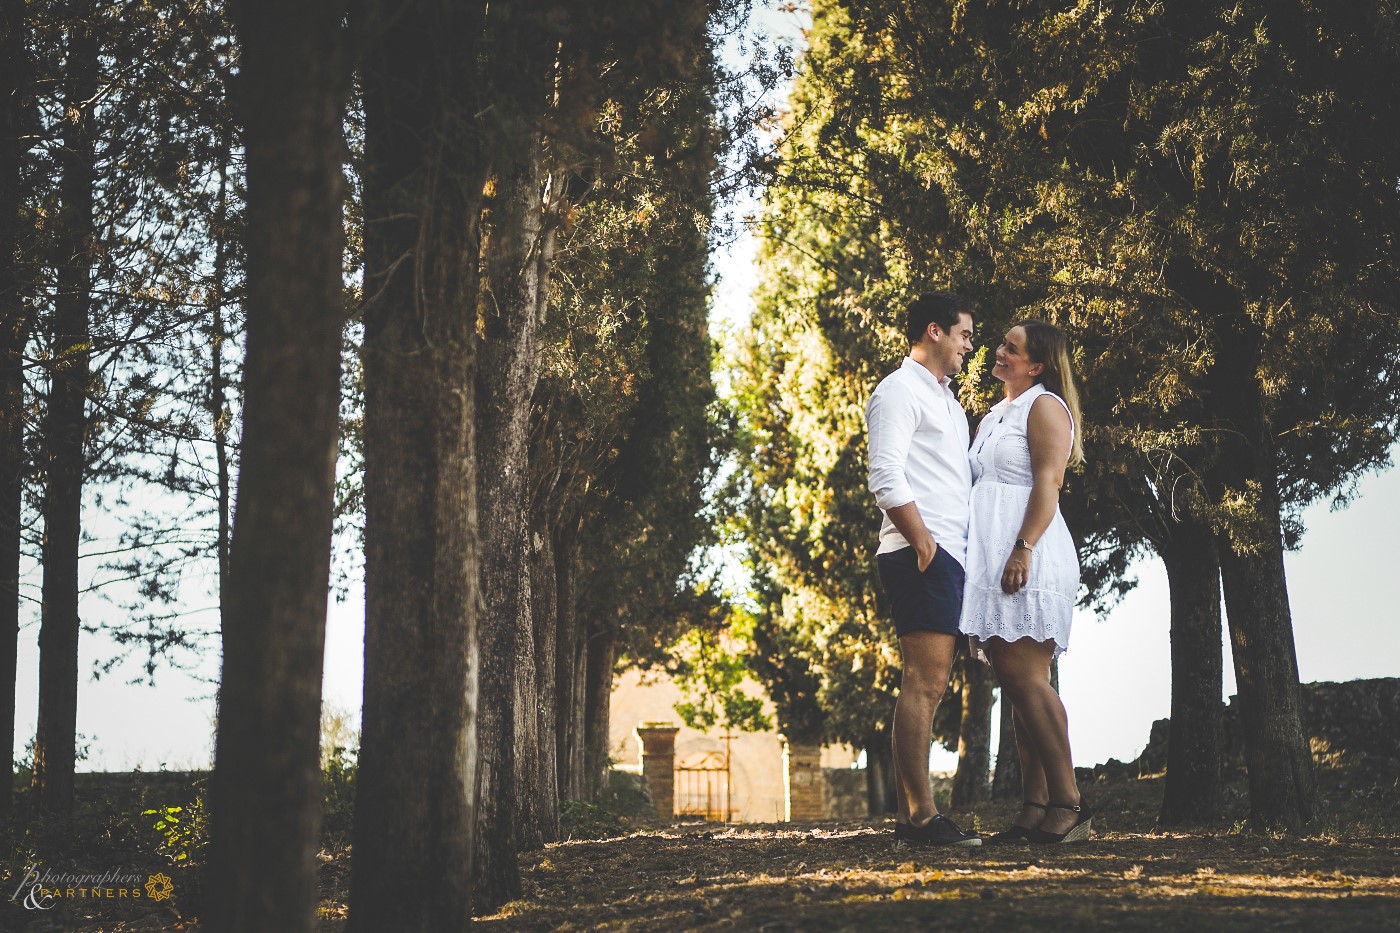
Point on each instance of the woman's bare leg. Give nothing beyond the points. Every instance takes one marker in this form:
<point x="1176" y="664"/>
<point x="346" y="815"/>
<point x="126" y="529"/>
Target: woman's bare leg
<point x="1023" y="669"/>
<point x="1033" y="786"/>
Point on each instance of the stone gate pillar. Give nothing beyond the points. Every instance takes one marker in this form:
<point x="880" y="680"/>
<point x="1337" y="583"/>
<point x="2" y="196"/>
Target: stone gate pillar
<point x="657" y="741"/>
<point x="804" y="788"/>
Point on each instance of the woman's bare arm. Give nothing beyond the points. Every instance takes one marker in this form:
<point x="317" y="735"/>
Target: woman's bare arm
<point x="1049" y="438"/>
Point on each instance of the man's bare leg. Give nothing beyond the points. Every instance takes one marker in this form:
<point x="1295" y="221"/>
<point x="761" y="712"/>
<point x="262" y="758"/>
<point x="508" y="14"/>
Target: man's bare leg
<point x="901" y="798"/>
<point x="926" y="657"/>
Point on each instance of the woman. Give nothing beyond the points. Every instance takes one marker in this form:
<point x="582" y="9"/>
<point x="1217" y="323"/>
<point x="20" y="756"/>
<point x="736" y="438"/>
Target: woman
<point x="1022" y="570"/>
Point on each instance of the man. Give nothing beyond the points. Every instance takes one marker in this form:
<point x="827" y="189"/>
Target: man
<point x="921" y="479"/>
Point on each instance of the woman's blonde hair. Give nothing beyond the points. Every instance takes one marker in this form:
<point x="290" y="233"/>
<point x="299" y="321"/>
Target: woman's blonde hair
<point x="1047" y="345"/>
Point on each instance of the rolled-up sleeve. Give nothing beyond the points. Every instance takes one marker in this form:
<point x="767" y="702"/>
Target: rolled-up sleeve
<point x="890" y="418"/>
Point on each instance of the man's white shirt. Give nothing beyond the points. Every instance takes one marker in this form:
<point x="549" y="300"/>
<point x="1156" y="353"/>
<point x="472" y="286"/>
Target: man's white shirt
<point x="918" y="443"/>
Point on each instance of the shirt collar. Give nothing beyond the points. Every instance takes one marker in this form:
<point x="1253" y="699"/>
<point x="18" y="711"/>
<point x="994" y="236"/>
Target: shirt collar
<point x="1028" y="396"/>
<point x="921" y="371"/>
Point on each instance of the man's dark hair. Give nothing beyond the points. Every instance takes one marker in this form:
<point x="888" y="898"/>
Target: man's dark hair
<point x="941" y="308"/>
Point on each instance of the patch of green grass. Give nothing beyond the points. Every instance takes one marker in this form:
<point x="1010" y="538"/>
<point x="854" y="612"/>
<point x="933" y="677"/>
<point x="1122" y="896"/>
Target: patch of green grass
<point x="626" y="795"/>
<point x="579" y="820"/>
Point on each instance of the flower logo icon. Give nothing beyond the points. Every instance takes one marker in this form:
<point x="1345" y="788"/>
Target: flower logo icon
<point x="158" y="887"/>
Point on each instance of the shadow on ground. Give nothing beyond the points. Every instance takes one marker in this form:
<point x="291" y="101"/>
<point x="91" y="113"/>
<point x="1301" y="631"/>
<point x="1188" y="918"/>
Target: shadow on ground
<point x="851" y="876"/>
<point x="832" y="876"/>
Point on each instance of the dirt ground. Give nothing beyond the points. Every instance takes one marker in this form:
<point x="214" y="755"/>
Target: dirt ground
<point x="852" y="876"/>
<point x="837" y="876"/>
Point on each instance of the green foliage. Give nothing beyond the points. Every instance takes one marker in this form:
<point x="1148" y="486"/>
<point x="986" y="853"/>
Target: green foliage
<point x="710" y="673"/>
<point x="623" y="429"/>
<point x="338" y="792"/>
<point x="340" y="754"/>
<point x="824" y="332"/>
<point x="183" y="831"/>
<point x="626" y="795"/>
<point x="1202" y="196"/>
<point x="581" y="820"/>
<point x="621" y="804"/>
<point x="340" y="734"/>
<point x="1199" y="194"/>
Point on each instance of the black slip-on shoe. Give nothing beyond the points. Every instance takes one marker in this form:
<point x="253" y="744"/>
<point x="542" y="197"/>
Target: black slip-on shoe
<point x="939" y="831"/>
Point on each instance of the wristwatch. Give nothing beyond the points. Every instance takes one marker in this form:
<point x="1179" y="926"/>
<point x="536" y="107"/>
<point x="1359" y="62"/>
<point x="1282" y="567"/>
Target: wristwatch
<point x="1022" y="543"/>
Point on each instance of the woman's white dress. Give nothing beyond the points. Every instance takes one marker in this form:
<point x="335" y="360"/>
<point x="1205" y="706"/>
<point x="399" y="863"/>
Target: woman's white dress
<point x="1001" y="487"/>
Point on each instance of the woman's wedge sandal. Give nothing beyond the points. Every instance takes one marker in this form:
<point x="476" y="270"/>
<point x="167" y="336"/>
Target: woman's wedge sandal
<point x="1078" y="832"/>
<point x="1014" y="835"/>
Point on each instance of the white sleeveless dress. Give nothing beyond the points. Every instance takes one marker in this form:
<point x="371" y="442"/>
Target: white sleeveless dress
<point x="1001" y="488"/>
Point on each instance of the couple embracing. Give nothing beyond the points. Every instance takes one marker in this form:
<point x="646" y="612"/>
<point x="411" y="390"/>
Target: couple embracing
<point x="973" y="545"/>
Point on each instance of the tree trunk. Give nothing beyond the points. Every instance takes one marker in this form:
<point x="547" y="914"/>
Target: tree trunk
<point x="65" y="433"/>
<point x="15" y="325"/>
<point x="571" y="669"/>
<point x="528" y="754"/>
<point x="1282" y="792"/>
<point x="1281" y="785"/>
<point x="1193" y="792"/>
<point x="544" y="610"/>
<point x="602" y="653"/>
<point x="970" y="781"/>
<point x="218" y="379"/>
<point x="879" y="777"/>
<point x="1245" y="475"/>
<point x="509" y="737"/>
<point x="545" y="774"/>
<point x="266" y="790"/>
<point x="1006" y="781"/>
<point x="423" y="181"/>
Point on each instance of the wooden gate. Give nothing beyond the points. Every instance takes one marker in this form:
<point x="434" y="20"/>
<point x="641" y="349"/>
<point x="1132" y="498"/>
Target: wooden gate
<point x="702" y="786"/>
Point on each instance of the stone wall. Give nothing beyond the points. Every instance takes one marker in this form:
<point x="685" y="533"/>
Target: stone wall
<point x="1356" y="717"/>
<point x="846" y="797"/>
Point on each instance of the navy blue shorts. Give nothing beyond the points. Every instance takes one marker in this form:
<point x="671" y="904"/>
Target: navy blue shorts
<point x="923" y="602"/>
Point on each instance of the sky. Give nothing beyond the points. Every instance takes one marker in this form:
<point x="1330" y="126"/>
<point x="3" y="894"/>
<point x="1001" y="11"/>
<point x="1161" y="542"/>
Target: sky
<point x="1115" y="679"/>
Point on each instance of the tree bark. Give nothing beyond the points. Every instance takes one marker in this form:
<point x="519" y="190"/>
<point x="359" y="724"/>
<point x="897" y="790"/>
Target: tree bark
<point x="571" y="668"/>
<point x="510" y="737"/>
<point x="66" y="432"/>
<point x="879" y="777"/>
<point x="1282" y="790"/>
<point x="266" y="791"/>
<point x="528" y="754"/>
<point x="1006" y="781"/>
<point x="1193" y="792"/>
<point x="15" y="325"/>
<point x="970" y="781"/>
<point x="1244" y="474"/>
<point x="602" y="654"/>
<point x="423" y="182"/>
<point x="545" y="775"/>
<point x="544" y="611"/>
